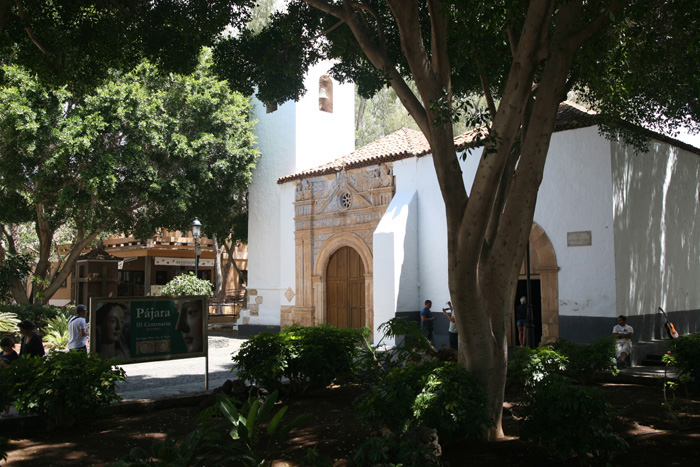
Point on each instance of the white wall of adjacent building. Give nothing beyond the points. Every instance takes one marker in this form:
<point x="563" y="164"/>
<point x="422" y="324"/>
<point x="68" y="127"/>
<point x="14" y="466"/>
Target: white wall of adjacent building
<point x="295" y="137"/>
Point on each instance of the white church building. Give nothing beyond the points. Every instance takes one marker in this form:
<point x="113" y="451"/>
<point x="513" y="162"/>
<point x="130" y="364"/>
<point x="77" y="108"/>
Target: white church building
<point x="357" y="237"/>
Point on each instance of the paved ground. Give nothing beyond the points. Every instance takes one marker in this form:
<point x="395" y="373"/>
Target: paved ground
<point x="172" y="378"/>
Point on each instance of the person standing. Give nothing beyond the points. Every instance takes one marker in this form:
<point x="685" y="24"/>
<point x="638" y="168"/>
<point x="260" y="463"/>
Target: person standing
<point x="454" y="337"/>
<point x="426" y="321"/>
<point x="521" y="321"/>
<point x="77" y="330"/>
<point x="31" y="340"/>
<point x="623" y="332"/>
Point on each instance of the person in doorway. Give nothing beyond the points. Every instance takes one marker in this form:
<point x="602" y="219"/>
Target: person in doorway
<point x="623" y="332"/>
<point x="426" y="321"/>
<point x="454" y="337"/>
<point x="31" y="344"/>
<point x="521" y="321"/>
<point x="77" y="330"/>
<point x="190" y="323"/>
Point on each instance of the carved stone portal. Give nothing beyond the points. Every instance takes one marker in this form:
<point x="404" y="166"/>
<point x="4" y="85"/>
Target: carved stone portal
<point x="331" y="212"/>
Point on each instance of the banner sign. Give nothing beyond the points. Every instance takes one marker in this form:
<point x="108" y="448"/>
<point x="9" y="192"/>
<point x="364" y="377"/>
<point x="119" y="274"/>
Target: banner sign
<point x="141" y="329"/>
<point x="203" y="262"/>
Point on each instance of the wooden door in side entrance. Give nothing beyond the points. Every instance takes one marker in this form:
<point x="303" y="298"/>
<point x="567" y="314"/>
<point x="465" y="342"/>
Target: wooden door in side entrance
<point x="345" y="289"/>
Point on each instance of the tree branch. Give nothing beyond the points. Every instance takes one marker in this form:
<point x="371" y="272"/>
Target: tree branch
<point x="439" y="47"/>
<point x="20" y="8"/>
<point x="600" y="22"/>
<point x="487" y="90"/>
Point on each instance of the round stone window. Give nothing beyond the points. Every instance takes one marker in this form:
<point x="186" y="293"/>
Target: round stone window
<point x="345" y="200"/>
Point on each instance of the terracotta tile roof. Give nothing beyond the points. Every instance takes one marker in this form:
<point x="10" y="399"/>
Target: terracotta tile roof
<point x="401" y="144"/>
<point x="405" y="143"/>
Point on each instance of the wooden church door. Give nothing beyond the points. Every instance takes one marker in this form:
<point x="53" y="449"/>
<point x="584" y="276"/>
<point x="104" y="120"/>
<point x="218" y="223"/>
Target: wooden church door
<point x="345" y="289"/>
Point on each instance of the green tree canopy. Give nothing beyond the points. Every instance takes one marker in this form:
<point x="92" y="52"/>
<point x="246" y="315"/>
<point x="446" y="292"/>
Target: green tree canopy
<point x="76" y="42"/>
<point x="141" y="152"/>
<point x="634" y="61"/>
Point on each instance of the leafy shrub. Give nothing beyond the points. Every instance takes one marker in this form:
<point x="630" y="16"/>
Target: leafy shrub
<point x="61" y="387"/>
<point x="36" y="313"/>
<point x="389" y="451"/>
<point x="187" y="284"/>
<point x="320" y="354"/>
<point x="572" y="420"/>
<point x="226" y="435"/>
<point x="263" y="359"/>
<point x="390" y="403"/>
<point x="308" y="357"/>
<point x="376" y="361"/>
<point x="453" y="402"/>
<point x="585" y="360"/>
<point x="686" y="351"/>
<point x="529" y="366"/>
<point x="440" y="395"/>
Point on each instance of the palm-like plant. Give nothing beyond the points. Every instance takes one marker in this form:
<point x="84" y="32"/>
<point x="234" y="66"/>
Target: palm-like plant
<point x="57" y="331"/>
<point x="8" y="322"/>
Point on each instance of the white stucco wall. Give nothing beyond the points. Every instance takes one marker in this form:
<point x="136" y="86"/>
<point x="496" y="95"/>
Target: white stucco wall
<point x="395" y="259"/>
<point x="324" y="136"/>
<point x="295" y="137"/>
<point x="657" y="229"/>
<point x="576" y="195"/>
<point x="287" y="243"/>
<point x="276" y="133"/>
<point x="418" y="174"/>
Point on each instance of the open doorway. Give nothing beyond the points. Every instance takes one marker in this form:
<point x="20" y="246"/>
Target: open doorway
<point x="536" y="305"/>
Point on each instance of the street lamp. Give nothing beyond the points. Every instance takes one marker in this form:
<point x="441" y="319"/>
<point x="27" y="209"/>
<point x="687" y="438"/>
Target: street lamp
<point x="196" y="230"/>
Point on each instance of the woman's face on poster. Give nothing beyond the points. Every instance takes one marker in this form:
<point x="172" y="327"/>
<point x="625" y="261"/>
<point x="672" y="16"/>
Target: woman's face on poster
<point x="112" y="325"/>
<point x="189" y="323"/>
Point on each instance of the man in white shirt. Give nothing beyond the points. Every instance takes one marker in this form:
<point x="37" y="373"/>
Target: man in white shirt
<point x="623" y="332"/>
<point x="77" y="330"/>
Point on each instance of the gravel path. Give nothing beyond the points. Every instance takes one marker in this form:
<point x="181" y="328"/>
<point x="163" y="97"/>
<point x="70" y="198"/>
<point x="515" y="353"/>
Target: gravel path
<point x="170" y="378"/>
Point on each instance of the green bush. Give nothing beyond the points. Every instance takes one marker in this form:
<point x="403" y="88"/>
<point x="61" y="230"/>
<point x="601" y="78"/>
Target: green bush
<point x="389" y="404"/>
<point x="187" y="284"/>
<point x="453" y="402"/>
<point x="227" y="435"/>
<point x="263" y="360"/>
<point x="307" y="357"/>
<point x="572" y="420"/>
<point x="61" y="387"/>
<point x="529" y="366"/>
<point x="389" y="451"/>
<point x="320" y="354"/>
<point x="585" y="360"/>
<point x="686" y="351"/>
<point x="440" y="395"/>
<point x="36" y="313"/>
<point x="376" y="361"/>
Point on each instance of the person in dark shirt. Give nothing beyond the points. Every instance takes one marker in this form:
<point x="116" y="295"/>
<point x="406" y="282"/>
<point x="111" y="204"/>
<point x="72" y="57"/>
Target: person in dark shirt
<point x="426" y="321"/>
<point x="31" y="340"/>
<point x="8" y="351"/>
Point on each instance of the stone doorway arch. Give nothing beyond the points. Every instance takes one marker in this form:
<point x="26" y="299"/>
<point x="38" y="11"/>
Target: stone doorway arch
<point x="318" y="278"/>
<point x="543" y="268"/>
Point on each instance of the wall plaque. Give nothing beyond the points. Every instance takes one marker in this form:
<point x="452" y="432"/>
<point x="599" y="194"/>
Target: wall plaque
<point x="578" y="238"/>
